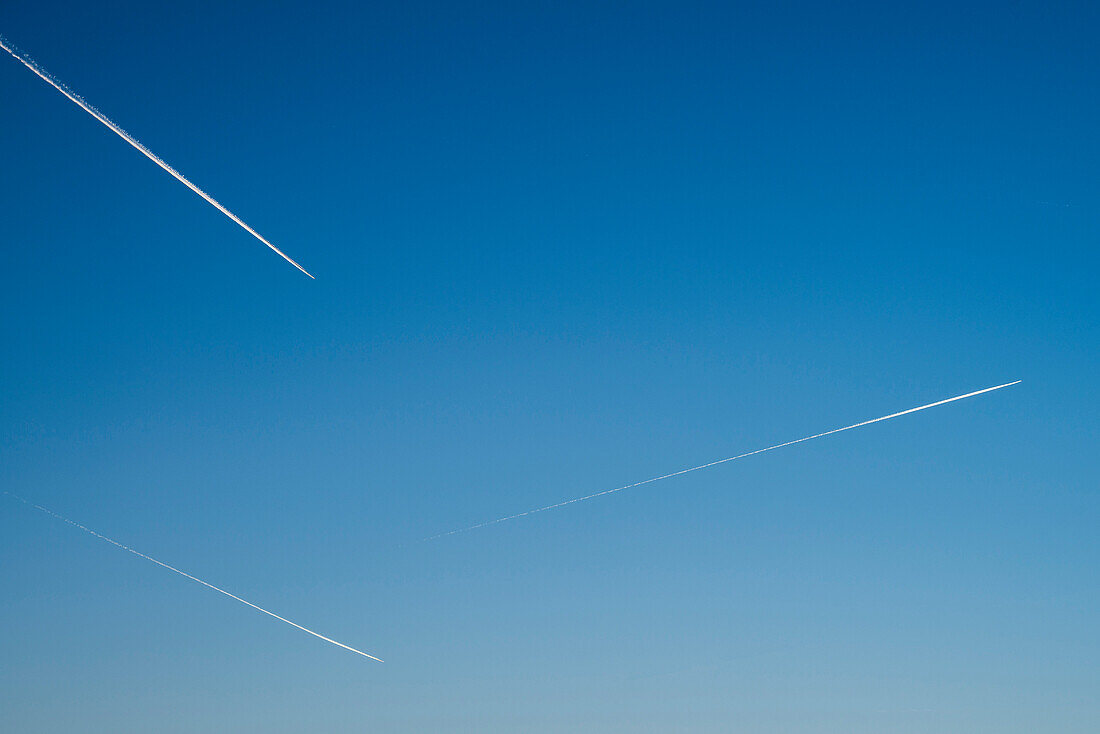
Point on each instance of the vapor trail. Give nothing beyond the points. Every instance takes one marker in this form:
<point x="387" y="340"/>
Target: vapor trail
<point x="720" y="461"/>
<point x="59" y="86"/>
<point x="187" y="575"/>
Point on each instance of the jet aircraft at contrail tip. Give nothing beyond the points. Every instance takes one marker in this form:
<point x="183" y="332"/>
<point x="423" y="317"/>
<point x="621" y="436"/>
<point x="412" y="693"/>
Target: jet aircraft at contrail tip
<point x="76" y="98"/>
<point x="127" y="548"/>
<point x="716" y="463"/>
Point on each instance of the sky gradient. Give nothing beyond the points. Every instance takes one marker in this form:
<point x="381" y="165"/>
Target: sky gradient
<point x="559" y="249"/>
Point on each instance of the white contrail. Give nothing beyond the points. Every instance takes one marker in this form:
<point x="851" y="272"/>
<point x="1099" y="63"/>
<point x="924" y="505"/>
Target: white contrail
<point x="720" y="461"/>
<point x="56" y="84"/>
<point x="182" y="573"/>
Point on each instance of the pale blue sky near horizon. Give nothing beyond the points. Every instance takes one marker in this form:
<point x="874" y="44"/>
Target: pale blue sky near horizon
<point x="559" y="248"/>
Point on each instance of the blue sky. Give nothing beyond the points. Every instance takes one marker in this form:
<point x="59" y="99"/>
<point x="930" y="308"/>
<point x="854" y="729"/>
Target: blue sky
<point x="558" y="249"/>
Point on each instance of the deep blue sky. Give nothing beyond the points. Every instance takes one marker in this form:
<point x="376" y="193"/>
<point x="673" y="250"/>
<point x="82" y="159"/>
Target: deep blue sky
<point x="558" y="248"/>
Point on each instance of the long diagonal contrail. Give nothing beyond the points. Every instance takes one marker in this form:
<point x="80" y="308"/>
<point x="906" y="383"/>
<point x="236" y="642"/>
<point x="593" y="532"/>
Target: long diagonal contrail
<point x="720" y="461"/>
<point x="127" y="548"/>
<point x="56" y="84"/>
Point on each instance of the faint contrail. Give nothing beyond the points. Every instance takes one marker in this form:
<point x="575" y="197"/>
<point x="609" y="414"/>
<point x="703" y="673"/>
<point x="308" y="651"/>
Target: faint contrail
<point x="56" y="84"/>
<point x="720" y="461"/>
<point x="182" y="573"/>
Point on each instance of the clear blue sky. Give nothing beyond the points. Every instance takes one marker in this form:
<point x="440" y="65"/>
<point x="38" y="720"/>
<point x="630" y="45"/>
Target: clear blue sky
<point x="559" y="247"/>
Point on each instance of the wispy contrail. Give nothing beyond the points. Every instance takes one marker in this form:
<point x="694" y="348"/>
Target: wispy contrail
<point x="187" y="575"/>
<point x="56" y="84"/>
<point x="720" y="461"/>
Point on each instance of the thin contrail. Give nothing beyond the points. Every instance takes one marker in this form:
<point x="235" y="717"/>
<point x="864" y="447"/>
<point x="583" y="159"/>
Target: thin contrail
<point x="183" y="573"/>
<point x="720" y="461"/>
<point x="59" y="86"/>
